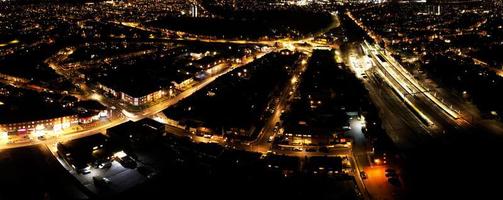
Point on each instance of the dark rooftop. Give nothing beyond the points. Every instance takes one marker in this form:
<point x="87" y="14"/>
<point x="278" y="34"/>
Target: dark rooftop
<point x="30" y="106"/>
<point x="90" y="105"/>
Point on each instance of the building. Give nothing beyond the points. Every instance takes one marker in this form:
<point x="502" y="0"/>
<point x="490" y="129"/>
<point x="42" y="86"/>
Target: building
<point x="85" y="152"/>
<point x="91" y="111"/>
<point x="193" y="10"/>
<point x="142" y="132"/>
<point x="434" y="10"/>
<point x="55" y="124"/>
<point x="302" y="134"/>
<point x="135" y="100"/>
<point x="316" y="139"/>
<point x="12" y="78"/>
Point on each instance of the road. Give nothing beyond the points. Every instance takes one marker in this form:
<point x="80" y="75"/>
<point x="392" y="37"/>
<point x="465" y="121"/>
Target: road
<point x="408" y="109"/>
<point x="72" y="75"/>
<point x="68" y="135"/>
<point x="129" y="116"/>
<point x="262" y="143"/>
<point x="160" y="106"/>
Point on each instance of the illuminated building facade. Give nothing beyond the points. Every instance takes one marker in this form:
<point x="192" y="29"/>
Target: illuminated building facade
<point x="136" y="101"/>
<point x="12" y="78"/>
<point x="55" y="124"/>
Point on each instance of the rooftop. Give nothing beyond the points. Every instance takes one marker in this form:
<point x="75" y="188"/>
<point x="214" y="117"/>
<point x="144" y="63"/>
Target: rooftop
<point x="30" y="106"/>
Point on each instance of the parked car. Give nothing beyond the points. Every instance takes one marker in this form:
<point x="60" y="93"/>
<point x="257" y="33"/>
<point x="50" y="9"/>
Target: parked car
<point x="147" y="172"/>
<point x="101" y="181"/>
<point x="105" y="164"/>
<point x="390" y="174"/>
<point x="86" y="169"/>
<point x="298" y="149"/>
<point x="390" y="170"/>
<point x="128" y="162"/>
<point x="394" y="181"/>
<point x="363" y="175"/>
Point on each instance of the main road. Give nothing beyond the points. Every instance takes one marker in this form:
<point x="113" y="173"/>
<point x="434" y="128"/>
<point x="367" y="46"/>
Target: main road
<point x="127" y="115"/>
<point x="277" y="44"/>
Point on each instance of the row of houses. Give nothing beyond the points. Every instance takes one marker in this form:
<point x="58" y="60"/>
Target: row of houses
<point x="132" y="100"/>
<point x="87" y="112"/>
<point x="13" y="78"/>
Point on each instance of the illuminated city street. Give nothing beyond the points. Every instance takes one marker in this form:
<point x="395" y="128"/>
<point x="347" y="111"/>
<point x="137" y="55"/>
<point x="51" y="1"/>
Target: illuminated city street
<point x="298" y="99"/>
